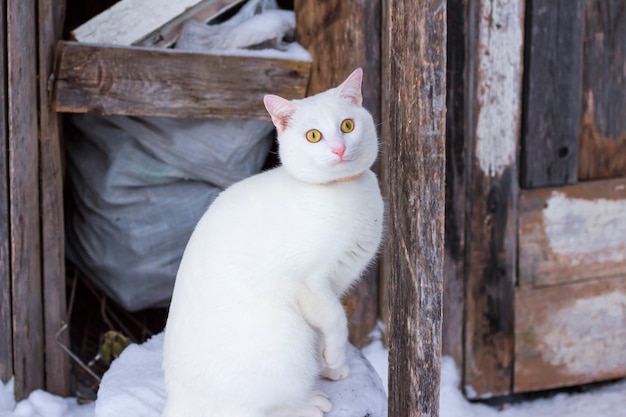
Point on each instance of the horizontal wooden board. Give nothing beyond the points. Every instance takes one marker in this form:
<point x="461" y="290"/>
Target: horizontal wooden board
<point x="570" y="334"/>
<point x="572" y="233"/>
<point x="127" y="21"/>
<point x="163" y="82"/>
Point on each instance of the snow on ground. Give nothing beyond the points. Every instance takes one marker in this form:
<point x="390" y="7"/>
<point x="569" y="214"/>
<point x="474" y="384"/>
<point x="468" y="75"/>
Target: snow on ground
<point x="606" y="401"/>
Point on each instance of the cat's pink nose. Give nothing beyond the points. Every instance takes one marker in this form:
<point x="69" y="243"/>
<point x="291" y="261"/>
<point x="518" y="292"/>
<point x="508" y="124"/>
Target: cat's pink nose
<point x="339" y="150"/>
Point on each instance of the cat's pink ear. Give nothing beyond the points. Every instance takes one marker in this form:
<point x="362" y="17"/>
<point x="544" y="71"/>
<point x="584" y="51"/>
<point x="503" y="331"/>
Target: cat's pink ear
<point x="351" y="87"/>
<point x="280" y="109"/>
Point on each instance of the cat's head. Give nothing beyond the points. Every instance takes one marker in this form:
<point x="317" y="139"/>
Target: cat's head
<point x="326" y="137"/>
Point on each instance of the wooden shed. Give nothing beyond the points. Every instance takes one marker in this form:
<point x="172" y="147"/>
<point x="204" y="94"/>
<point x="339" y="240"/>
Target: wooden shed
<point x="536" y="194"/>
<point x="531" y="109"/>
<point x="43" y="79"/>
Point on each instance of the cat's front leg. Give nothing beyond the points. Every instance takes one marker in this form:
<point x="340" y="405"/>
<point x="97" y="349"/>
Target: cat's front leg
<point x="322" y="309"/>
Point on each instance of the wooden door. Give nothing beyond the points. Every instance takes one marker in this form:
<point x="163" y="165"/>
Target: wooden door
<point x="536" y="194"/>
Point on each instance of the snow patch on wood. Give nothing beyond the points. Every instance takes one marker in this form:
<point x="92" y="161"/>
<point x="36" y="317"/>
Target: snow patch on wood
<point x="587" y="231"/>
<point x="584" y="337"/>
<point x="499" y="84"/>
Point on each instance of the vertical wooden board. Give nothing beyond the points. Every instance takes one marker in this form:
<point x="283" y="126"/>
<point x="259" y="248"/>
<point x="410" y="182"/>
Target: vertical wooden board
<point x="341" y="36"/>
<point x="553" y="90"/>
<point x="6" y="329"/>
<point x="413" y="114"/>
<point x="570" y="334"/>
<point x="454" y="259"/>
<point x="572" y="233"/>
<point x="494" y="53"/>
<point x="57" y="366"/>
<point x="603" y="123"/>
<point x="23" y="164"/>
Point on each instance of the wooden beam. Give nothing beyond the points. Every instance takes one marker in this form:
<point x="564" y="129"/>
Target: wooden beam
<point x="603" y="124"/>
<point x="350" y="38"/>
<point x="6" y="307"/>
<point x="570" y="334"/>
<point x="413" y="115"/>
<point x="494" y="82"/>
<point x="23" y="161"/>
<point x="553" y="90"/>
<point x="456" y="172"/>
<point x="138" y="81"/>
<point x="57" y="366"/>
<point x="572" y="233"/>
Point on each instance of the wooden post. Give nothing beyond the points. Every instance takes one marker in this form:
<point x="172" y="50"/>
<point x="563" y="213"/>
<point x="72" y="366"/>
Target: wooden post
<point x="413" y="109"/>
<point x="342" y="35"/>
<point x="23" y="173"/>
<point x="456" y="145"/>
<point x="57" y="367"/>
<point x="6" y="329"/>
<point x="493" y="103"/>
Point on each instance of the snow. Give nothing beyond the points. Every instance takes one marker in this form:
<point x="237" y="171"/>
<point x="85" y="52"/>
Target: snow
<point x="139" y="366"/>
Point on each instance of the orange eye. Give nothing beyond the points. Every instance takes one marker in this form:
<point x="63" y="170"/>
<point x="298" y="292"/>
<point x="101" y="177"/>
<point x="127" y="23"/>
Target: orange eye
<point x="313" y="135"/>
<point x="347" y="126"/>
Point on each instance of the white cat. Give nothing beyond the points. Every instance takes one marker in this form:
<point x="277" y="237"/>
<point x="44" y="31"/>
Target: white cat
<point x="256" y="315"/>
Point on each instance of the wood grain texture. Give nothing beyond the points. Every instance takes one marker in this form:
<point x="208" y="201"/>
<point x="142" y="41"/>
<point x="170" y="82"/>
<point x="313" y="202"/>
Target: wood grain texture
<point x="6" y="312"/>
<point x="128" y="22"/>
<point x="603" y="123"/>
<point x="57" y="366"/>
<point x="572" y="233"/>
<point x="413" y="114"/>
<point x="553" y="69"/>
<point x="162" y="82"/>
<point x="495" y="32"/>
<point x="570" y="334"/>
<point x="28" y="344"/>
<point x="167" y="34"/>
<point x="350" y="38"/>
<point x="456" y="177"/>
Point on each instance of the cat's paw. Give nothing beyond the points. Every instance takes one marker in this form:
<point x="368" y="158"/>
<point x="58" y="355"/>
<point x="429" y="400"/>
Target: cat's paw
<point x="334" y="358"/>
<point x="318" y="405"/>
<point x="336" y="374"/>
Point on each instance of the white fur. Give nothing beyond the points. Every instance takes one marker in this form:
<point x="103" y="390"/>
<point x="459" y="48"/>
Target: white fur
<point x="256" y="315"/>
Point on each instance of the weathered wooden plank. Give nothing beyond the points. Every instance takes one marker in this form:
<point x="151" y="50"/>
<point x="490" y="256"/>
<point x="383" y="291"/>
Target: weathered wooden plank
<point x="127" y="23"/>
<point x="168" y="34"/>
<point x="28" y="345"/>
<point x="350" y="38"/>
<point x="454" y="249"/>
<point x="495" y="31"/>
<point x="57" y="366"/>
<point x="413" y="115"/>
<point x="570" y="334"/>
<point x="553" y="90"/>
<point x="572" y="233"/>
<point x="603" y="124"/>
<point x="6" y="329"/>
<point x="162" y="82"/>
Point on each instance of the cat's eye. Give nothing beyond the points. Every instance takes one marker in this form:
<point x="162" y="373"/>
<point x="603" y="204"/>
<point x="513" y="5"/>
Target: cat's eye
<point x="313" y="135"/>
<point x="347" y="126"/>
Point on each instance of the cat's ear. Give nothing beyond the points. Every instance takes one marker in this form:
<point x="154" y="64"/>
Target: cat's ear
<point x="280" y="109"/>
<point x="351" y="87"/>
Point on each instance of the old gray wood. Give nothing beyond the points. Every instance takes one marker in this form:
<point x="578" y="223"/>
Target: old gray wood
<point x="413" y="115"/>
<point x="163" y="82"/>
<point x="57" y="366"/>
<point x="6" y="329"/>
<point x="553" y="70"/>
<point x="23" y="168"/>
<point x="494" y="84"/>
